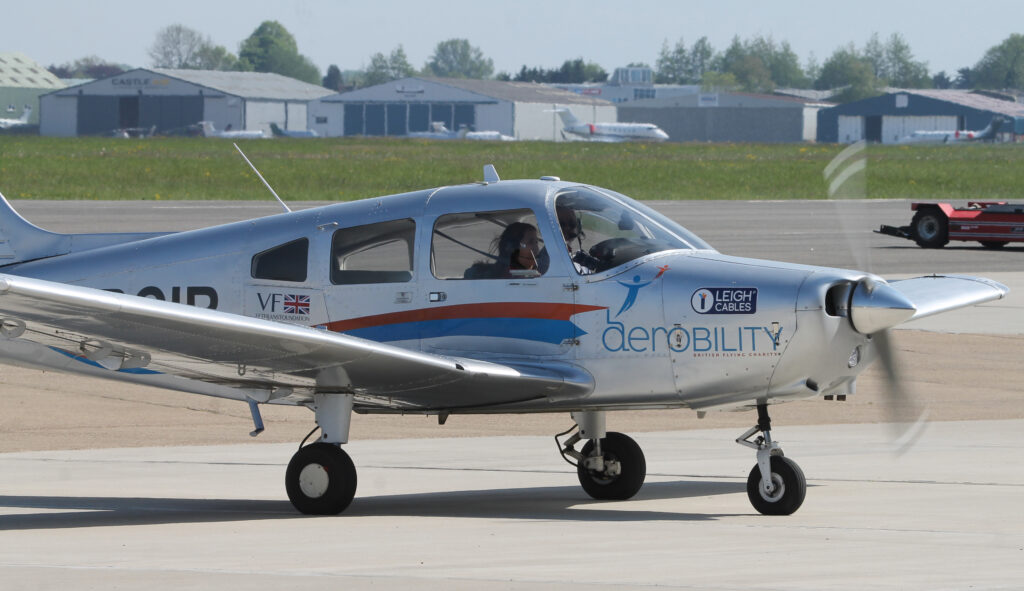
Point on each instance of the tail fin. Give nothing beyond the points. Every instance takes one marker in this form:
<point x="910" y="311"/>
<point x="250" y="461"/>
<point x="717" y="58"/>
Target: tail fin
<point x="25" y="114"/>
<point x="568" y="119"/>
<point x="21" y="241"/>
<point x="276" y="130"/>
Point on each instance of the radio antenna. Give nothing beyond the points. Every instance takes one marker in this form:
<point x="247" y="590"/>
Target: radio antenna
<point x="271" y="189"/>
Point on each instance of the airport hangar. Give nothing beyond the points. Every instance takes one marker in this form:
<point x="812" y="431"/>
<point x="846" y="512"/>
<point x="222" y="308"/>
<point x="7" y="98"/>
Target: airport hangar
<point x="22" y="81"/>
<point x="728" y="117"/>
<point x="894" y="115"/>
<point x="173" y="100"/>
<point x="523" y="110"/>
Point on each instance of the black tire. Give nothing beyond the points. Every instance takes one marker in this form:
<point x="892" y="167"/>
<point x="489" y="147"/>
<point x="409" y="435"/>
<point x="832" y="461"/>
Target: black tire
<point x="992" y="243"/>
<point x="321" y="479"/>
<point x="930" y="228"/>
<point x="791" y="488"/>
<point x="615" y="446"/>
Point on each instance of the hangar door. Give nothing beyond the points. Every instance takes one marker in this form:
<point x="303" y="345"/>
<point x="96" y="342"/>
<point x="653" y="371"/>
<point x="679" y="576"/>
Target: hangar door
<point x="98" y="115"/>
<point x="401" y="118"/>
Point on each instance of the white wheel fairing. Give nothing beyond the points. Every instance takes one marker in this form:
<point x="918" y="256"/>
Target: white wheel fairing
<point x="314" y="480"/>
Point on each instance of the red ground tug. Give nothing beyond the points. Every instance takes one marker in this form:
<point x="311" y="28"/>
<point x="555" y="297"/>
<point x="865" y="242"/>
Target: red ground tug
<point x="992" y="223"/>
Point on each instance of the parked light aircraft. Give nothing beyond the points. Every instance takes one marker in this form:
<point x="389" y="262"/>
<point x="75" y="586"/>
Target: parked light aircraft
<point x="240" y="134"/>
<point x="955" y="136"/>
<point x="20" y="121"/>
<point x="278" y="132"/>
<point x="520" y="296"/>
<point x="611" y="132"/>
<point x="439" y="131"/>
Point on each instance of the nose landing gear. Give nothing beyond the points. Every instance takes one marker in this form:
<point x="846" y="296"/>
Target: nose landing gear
<point x="776" y="485"/>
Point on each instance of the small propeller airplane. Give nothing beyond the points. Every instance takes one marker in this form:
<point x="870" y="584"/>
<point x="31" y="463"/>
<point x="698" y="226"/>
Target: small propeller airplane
<point x="10" y="123"/>
<point x="610" y="132"/>
<point x="501" y="296"/>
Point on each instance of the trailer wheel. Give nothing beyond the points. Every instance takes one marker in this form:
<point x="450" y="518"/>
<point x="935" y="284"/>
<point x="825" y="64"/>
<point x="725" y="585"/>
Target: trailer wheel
<point x="930" y="228"/>
<point x="992" y="243"/>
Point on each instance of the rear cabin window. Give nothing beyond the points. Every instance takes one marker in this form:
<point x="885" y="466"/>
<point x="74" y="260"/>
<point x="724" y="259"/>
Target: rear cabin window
<point x="374" y="253"/>
<point x="488" y="245"/>
<point x="286" y="262"/>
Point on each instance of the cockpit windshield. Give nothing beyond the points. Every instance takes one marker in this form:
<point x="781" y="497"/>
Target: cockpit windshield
<point x="603" y="229"/>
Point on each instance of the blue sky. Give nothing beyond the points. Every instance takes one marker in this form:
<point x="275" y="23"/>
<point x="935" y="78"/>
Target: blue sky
<point x="946" y="34"/>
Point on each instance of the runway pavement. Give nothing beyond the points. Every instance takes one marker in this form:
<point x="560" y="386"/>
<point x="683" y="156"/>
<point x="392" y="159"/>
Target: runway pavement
<point x="507" y="513"/>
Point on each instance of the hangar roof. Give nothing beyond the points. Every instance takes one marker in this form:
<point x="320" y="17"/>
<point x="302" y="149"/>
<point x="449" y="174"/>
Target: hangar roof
<point x="253" y="85"/>
<point x="463" y="89"/>
<point x="19" y="71"/>
<point x="970" y="99"/>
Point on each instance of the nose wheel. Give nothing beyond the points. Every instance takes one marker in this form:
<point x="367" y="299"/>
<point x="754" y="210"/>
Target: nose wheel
<point x="776" y="485"/>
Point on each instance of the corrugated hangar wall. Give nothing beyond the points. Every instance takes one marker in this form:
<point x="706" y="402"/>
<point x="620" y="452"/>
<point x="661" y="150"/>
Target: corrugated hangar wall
<point x="721" y="124"/>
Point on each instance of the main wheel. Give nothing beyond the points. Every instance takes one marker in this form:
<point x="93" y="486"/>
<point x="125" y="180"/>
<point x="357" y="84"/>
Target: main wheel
<point x="620" y="450"/>
<point x="321" y="479"/>
<point x="930" y="228"/>
<point x="789" y="483"/>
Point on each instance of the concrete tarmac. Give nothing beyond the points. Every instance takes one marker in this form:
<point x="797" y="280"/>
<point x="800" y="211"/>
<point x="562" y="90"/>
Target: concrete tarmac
<point x="507" y="513"/>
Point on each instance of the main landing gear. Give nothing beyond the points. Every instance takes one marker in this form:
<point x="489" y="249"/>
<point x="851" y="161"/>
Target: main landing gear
<point x="321" y="479"/>
<point x="776" y="485"/>
<point x="611" y="466"/>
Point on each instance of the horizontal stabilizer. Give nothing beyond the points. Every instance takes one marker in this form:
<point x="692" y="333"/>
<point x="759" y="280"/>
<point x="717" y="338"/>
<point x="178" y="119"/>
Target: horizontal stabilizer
<point x="940" y="293"/>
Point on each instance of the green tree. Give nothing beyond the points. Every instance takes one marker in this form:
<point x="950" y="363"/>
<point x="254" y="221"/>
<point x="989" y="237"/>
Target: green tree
<point x="271" y="48"/>
<point x="846" y="68"/>
<point x="673" y="65"/>
<point x="333" y="79"/>
<point x="1002" y="66"/>
<point x="701" y="55"/>
<point x="719" y="81"/>
<point x="387" y="68"/>
<point x="900" y="67"/>
<point x="456" y="58"/>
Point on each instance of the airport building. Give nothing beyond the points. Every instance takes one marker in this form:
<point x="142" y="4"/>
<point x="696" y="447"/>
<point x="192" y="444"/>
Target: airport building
<point x="632" y="83"/>
<point x="895" y="115"/>
<point x="523" y="110"/>
<point x="172" y="101"/>
<point x="22" y="82"/>
<point x="728" y="117"/>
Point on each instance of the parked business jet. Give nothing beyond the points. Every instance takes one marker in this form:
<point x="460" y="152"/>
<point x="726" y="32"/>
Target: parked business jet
<point x="954" y="136"/>
<point x="611" y="132"/>
<point x="278" y="132"/>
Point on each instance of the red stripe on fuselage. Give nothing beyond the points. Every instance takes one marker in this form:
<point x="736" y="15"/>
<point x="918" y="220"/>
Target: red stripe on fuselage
<point x="488" y="310"/>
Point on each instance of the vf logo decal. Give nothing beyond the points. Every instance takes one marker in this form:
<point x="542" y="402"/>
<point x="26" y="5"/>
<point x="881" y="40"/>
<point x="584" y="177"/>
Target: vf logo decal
<point x="724" y="300"/>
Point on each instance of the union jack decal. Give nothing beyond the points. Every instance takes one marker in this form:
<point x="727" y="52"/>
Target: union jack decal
<point x="296" y="304"/>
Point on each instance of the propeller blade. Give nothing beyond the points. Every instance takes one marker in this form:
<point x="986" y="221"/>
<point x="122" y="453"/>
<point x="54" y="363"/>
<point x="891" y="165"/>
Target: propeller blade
<point x="905" y="414"/>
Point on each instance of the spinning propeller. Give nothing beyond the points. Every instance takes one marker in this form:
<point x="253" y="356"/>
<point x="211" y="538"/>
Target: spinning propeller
<point x="873" y="306"/>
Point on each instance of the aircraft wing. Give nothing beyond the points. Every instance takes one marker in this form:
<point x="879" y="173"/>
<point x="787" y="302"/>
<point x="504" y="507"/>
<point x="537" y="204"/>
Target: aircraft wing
<point x="940" y="293"/>
<point x="222" y="354"/>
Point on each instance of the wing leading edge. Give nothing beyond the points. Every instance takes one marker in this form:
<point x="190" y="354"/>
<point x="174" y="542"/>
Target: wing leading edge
<point x="933" y="294"/>
<point x="218" y="353"/>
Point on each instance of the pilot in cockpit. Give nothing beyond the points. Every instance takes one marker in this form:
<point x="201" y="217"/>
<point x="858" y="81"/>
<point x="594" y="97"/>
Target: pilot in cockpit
<point x="572" y="230"/>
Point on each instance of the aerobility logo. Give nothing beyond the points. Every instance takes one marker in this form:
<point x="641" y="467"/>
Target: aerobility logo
<point x="724" y="300"/>
<point x="633" y="289"/>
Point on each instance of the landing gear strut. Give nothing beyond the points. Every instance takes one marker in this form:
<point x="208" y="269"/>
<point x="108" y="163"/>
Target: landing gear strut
<point x="611" y="466"/>
<point x="776" y="485"/>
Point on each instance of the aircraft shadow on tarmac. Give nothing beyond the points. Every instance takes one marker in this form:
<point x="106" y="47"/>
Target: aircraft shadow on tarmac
<point x="551" y="503"/>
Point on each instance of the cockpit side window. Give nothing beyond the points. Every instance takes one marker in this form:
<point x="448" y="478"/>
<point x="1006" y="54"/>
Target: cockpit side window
<point x="602" y="232"/>
<point x="374" y="253"/>
<point x="503" y="244"/>
<point x="286" y="262"/>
